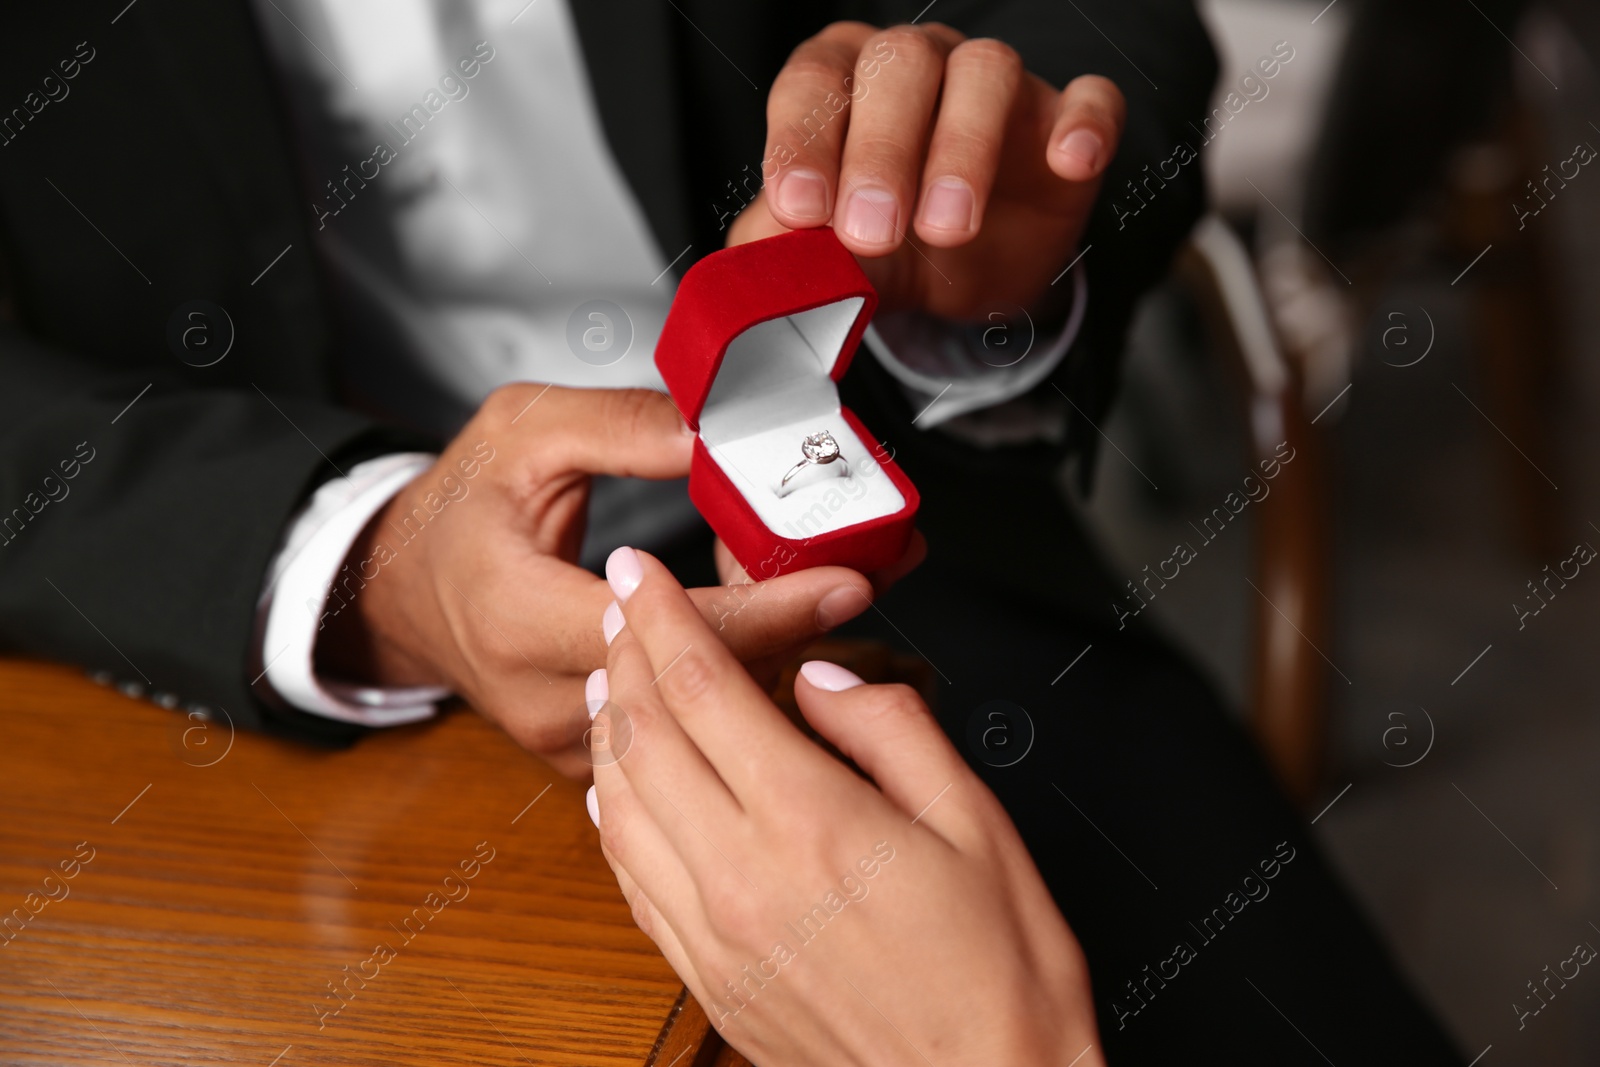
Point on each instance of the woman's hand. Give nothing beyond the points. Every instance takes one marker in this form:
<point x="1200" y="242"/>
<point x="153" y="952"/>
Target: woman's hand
<point x="962" y="181"/>
<point x="820" y="918"/>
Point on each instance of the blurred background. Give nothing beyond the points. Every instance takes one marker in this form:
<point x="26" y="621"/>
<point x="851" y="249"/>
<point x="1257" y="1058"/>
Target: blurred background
<point x="1414" y="194"/>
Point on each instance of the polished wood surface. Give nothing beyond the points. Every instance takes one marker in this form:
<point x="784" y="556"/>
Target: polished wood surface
<point x="233" y="880"/>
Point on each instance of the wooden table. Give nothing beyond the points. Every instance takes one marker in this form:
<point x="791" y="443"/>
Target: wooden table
<point x="223" y="884"/>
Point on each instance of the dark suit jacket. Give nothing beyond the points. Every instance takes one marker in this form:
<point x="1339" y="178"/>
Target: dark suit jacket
<point x="162" y="171"/>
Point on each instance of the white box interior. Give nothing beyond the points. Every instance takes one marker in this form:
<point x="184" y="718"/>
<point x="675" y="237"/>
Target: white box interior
<point x="774" y="389"/>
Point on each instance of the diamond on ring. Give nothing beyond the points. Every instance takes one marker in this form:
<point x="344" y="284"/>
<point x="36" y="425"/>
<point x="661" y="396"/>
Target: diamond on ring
<point x="819" y="449"/>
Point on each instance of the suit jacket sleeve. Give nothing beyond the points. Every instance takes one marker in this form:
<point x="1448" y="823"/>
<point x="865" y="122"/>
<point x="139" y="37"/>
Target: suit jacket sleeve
<point x="152" y="169"/>
<point x="136" y="523"/>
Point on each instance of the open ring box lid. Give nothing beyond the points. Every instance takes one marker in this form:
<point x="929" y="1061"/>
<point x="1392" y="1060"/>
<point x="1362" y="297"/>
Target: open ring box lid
<point x="752" y="351"/>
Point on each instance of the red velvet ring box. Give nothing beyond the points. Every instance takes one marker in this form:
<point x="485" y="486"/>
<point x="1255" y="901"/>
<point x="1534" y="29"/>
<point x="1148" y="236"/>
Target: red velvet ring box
<point x="752" y="351"/>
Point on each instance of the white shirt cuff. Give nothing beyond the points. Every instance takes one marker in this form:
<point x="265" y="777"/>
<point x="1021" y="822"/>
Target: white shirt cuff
<point x="299" y="579"/>
<point x="947" y="369"/>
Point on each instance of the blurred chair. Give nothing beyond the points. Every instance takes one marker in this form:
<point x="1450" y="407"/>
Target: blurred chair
<point x="1285" y="338"/>
<point x="1517" y="312"/>
<point x="1288" y="679"/>
<point x="1329" y="164"/>
<point x="1432" y="188"/>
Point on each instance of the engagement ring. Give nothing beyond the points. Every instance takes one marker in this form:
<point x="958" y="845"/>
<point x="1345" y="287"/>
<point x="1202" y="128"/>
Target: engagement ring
<point x="819" y="450"/>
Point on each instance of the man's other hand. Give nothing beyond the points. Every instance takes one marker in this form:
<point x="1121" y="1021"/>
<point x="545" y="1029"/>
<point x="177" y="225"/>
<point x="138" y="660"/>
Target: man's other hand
<point x="961" y="181"/>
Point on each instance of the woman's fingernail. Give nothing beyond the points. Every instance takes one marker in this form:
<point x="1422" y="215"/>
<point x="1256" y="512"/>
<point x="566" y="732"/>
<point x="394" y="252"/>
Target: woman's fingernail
<point x="872" y="216"/>
<point x="1084" y="146"/>
<point x="803" y="193"/>
<point x="829" y="676"/>
<point x="948" y="205"/>
<point x="612" y="622"/>
<point x="624" y="573"/>
<point x="840" y="605"/>
<point x="597" y="690"/>
<point x="592" y="802"/>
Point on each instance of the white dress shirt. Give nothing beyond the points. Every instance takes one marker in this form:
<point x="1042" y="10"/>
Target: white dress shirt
<point x="471" y="221"/>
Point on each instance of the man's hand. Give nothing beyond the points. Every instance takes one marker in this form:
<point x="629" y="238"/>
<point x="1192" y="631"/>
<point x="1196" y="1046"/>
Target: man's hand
<point x="961" y="180"/>
<point x="467" y="578"/>
<point x="801" y="904"/>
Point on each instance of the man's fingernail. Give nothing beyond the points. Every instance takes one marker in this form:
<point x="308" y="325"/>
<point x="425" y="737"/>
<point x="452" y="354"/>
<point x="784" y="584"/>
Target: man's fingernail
<point x="611" y="622"/>
<point x="597" y="690"/>
<point x="592" y="802"/>
<point x="1084" y="146"/>
<point x="840" y="605"/>
<point x="803" y="193"/>
<point x="948" y="205"/>
<point x="872" y="216"/>
<point x="829" y="676"/>
<point x="624" y="573"/>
